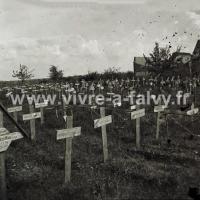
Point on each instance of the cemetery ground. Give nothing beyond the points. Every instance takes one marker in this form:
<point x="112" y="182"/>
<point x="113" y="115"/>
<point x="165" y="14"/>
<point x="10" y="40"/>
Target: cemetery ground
<point x="163" y="169"/>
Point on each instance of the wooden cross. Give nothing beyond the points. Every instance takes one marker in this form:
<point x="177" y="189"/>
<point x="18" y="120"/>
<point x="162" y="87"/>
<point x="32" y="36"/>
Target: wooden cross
<point x="92" y="88"/>
<point x="42" y="106"/>
<point x="158" y="109"/>
<point x="5" y="140"/>
<point x="31" y="117"/>
<point x="99" y="87"/>
<point x="15" y="111"/>
<point x="136" y="115"/>
<point x="193" y="110"/>
<point x="64" y="108"/>
<point x="68" y="134"/>
<point x="77" y="86"/>
<point x="133" y="107"/>
<point x="102" y="122"/>
<point x="59" y="90"/>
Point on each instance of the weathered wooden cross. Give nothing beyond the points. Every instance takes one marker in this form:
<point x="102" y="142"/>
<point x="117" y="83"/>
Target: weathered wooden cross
<point x="136" y="115"/>
<point x="102" y="122"/>
<point x="42" y="106"/>
<point x="15" y="111"/>
<point x="5" y="140"/>
<point x="193" y="110"/>
<point x="68" y="134"/>
<point x="32" y="117"/>
<point x="158" y="109"/>
<point x="133" y="107"/>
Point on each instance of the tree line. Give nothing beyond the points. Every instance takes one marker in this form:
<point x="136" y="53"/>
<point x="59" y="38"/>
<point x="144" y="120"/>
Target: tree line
<point x="159" y="61"/>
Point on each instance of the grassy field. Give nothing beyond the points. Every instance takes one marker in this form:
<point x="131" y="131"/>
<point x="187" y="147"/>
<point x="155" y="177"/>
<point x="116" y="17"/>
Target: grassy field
<point x="158" y="170"/>
<point x="163" y="169"/>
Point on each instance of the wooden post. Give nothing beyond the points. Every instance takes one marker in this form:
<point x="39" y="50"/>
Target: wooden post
<point x="138" y="133"/>
<point x="64" y="109"/>
<point x="68" y="152"/>
<point x="5" y="140"/>
<point x="32" y="116"/>
<point x="158" y="126"/>
<point x="191" y="113"/>
<point x="158" y="110"/>
<point x="32" y="123"/>
<point x="138" y="138"/>
<point x="136" y="115"/>
<point x="167" y="126"/>
<point x="59" y="94"/>
<point x="42" y="115"/>
<point x="3" y="190"/>
<point x="193" y="110"/>
<point x="104" y="136"/>
<point x="15" y="111"/>
<point x="102" y="122"/>
<point x="15" y="116"/>
<point x="68" y="134"/>
<point x="41" y="106"/>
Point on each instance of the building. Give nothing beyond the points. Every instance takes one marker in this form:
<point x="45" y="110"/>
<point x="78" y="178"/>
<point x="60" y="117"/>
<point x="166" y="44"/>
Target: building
<point x="181" y="58"/>
<point x="196" y="59"/>
<point x="181" y="63"/>
<point x="196" y="52"/>
<point x="140" y="66"/>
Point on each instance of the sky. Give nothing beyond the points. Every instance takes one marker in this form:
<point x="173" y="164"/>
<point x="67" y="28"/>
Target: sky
<point x="91" y="35"/>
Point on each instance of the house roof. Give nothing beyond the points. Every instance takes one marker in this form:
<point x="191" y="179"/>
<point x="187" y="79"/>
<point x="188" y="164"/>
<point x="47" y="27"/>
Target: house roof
<point x="180" y="54"/>
<point x="139" y="61"/>
<point x="181" y="57"/>
<point x="197" y="48"/>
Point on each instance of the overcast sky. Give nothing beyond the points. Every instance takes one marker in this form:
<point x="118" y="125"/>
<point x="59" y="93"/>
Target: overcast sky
<point x="90" y="36"/>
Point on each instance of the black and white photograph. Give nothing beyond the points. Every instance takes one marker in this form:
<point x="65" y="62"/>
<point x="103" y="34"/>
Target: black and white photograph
<point x="99" y="99"/>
